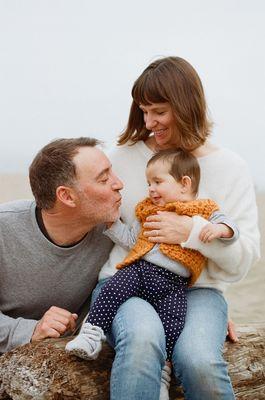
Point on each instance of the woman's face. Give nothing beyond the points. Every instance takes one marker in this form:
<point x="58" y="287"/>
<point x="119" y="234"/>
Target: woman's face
<point x="159" y="119"/>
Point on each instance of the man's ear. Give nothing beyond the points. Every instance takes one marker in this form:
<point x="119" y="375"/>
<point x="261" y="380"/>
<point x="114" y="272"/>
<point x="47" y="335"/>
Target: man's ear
<point x="66" y="195"/>
<point x="186" y="184"/>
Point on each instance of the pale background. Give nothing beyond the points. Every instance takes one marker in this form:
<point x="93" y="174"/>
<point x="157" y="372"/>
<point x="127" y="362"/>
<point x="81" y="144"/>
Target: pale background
<point x="67" y="67"/>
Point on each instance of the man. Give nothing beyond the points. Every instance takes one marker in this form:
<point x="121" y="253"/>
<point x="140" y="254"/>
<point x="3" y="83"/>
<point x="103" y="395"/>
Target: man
<point x="52" y="249"/>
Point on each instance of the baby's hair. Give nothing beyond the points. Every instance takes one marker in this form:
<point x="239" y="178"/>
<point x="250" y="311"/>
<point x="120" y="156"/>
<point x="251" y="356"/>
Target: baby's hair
<point x="181" y="163"/>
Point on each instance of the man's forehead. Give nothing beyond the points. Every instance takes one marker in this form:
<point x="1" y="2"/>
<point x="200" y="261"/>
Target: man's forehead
<point x="91" y="161"/>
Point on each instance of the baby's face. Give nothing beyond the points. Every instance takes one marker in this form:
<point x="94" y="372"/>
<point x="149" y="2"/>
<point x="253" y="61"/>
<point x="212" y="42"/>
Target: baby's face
<point x="163" y="188"/>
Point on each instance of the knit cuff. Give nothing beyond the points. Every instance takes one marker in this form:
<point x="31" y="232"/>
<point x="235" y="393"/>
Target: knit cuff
<point x="193" y="241"/>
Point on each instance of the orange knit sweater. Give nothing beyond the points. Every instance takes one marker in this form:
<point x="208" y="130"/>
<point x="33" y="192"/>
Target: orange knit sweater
<point x="191" y="259"/>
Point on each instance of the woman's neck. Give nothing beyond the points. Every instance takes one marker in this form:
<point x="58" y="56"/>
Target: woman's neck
<point x="202" y="151"/>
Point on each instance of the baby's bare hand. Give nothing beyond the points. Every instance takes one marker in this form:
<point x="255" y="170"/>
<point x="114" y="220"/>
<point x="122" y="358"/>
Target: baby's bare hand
<point x="210" y="232"/>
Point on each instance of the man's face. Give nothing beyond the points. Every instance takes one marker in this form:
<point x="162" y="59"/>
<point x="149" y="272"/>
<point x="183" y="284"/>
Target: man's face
<point x="97" y="187"/>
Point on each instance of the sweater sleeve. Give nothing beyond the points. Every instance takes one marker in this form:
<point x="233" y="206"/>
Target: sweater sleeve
<point x="230" y="263"/>
<point x="123" y="234"/>
<point x="219" y="218"/>
<point x="15" y="332"/>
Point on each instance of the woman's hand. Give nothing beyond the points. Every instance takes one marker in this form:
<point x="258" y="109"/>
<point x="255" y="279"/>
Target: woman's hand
<point x="168" y="227"/>
<point x="231" y="332"/>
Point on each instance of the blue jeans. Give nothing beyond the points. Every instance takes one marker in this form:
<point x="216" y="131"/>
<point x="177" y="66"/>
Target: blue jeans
<point x="138" y="338"/>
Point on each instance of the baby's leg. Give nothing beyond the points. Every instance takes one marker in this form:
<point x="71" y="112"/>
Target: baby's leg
<point x="172" y="310"/>
<point x="167" y="293"/>
<point x="124" y="284"/>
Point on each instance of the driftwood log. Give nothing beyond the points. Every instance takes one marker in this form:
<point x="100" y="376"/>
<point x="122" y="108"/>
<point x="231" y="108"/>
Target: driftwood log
<point x="43" y="371"/>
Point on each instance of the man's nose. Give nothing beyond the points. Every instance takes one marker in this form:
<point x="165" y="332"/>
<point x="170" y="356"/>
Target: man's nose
<point x="117" y="183"/>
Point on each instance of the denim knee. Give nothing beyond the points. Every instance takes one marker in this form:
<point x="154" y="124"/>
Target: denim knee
<point x="197" y="365"/>
<point x="139" y="334"/>
<point x="203" y="376"/>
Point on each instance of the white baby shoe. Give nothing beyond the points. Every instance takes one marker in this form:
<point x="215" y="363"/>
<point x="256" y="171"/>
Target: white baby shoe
<point x="88" y="342"/>
<point x="165" y="382"/>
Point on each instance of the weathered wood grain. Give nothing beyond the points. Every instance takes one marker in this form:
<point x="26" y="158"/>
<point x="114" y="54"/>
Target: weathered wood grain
<point x="43" y="371"/>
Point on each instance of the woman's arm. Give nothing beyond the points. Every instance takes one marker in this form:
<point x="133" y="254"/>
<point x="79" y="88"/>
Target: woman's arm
<point x="168" y="227"/>
<point x="230" y="262"/>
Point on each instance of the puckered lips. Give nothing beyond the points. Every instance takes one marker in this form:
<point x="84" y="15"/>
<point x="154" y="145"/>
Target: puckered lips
<point x="118" y="202"/>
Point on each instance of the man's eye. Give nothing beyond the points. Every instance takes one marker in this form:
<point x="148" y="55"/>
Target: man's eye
<point x="104" y="180"/>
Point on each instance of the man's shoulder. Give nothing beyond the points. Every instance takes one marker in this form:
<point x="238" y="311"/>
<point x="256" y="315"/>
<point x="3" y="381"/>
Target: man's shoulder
<point x="15" y="207"/>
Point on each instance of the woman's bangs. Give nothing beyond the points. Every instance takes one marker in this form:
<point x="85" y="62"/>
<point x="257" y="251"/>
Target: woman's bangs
<point x="147" y="91"/>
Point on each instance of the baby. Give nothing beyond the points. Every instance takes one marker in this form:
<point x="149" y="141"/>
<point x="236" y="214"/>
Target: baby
<point x="158" y="273"/>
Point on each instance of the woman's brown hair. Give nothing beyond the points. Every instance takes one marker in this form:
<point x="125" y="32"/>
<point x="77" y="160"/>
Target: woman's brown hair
<point x="175" y="81"/>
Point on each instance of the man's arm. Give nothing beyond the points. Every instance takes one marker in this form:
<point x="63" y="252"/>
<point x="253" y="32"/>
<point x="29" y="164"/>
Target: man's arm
<point x="18" y="331"/>
<point x="15" y="332"/>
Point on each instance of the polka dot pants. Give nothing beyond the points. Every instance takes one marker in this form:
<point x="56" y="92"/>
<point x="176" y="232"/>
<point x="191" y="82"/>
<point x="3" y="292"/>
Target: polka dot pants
<point x="163" y="289"/>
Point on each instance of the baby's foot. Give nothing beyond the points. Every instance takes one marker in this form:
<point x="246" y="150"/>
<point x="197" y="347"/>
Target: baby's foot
<point x="165" y="382"/>
<point x="87" y="343"/>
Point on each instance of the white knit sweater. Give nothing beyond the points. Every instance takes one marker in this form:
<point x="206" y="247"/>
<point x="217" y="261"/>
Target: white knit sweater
<point x="225" y="179"/>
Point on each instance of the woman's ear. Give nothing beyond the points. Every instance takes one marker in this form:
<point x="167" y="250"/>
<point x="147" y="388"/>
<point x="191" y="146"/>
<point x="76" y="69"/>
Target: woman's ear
<point x="186" y="184"/>
<point x="66" y="195"/>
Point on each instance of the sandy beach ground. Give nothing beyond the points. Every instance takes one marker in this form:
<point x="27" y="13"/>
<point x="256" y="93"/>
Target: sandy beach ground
<point x="246" y="298"/>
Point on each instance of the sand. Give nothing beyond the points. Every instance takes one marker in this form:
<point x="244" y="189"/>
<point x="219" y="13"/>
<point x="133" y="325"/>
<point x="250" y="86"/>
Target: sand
<point x="246" y="298"/>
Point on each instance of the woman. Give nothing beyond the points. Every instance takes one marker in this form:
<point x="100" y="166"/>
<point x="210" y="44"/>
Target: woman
<point x="169" y="111"/>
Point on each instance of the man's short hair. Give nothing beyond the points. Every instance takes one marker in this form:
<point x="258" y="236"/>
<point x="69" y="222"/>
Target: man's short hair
<point x="53" y="166"/>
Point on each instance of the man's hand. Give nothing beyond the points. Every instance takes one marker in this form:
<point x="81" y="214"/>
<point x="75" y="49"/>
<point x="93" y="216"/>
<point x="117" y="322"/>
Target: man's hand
<point x="54" y="323"/>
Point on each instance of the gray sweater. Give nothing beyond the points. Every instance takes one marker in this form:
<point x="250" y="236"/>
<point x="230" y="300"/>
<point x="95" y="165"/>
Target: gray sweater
<point x="35" y="274"/>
